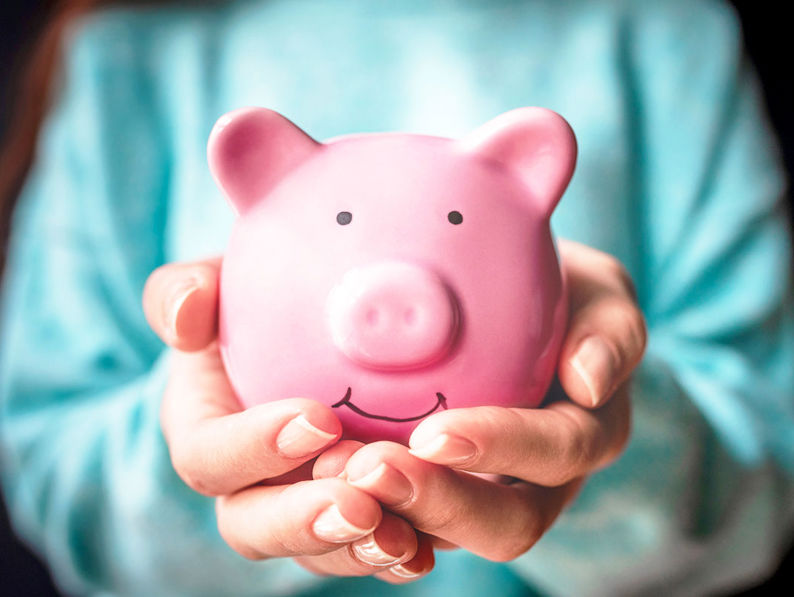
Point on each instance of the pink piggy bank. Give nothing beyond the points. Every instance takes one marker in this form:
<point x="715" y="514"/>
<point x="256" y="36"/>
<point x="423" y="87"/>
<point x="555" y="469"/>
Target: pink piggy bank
<point x="392" y="275"/>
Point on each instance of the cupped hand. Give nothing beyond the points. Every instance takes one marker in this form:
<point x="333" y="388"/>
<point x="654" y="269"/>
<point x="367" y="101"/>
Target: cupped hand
<point x="257" y="462"/>
<point x="493" y="479"/>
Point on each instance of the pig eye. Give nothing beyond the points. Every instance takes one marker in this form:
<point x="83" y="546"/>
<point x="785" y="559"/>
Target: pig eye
<point x="343" y="218"/>
<point x="455" y="217"/>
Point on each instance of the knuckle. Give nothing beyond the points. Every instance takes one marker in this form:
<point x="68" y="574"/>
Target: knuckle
<point x="628" y="330"/>
<point x="639" y="331"/>
<point x="622" y="439"/>
<point x="577" y="453"/>
<point x="154" y="276"/>
<point x="436" y="521"/>
<point x="625" y="313"/>
<point x="228" y="531"/>
<point x="184" y="462"/>
<point x="614" y="268"/>
<point x="515" y="544"/>
<point x="636" y="335"/>
<point x="621" y="432"/>
<point x="510" y="550"/>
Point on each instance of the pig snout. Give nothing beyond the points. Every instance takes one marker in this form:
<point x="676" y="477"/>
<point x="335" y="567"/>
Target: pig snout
<point x="393" y="316"/>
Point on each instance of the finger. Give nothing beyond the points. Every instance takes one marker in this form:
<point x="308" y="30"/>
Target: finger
<point x="216" y="447"/>
<point x="549" y="446"/>
<point x="443" y="544"/>
<point x="310" y="517"/>
<point x="331" y="463"/>
<point x="392" y="543"/>
<point x="606" y="331"/>
<point x="498" y="522"/>
<point x="420" y="565"/>
<point x="180" y="301"/>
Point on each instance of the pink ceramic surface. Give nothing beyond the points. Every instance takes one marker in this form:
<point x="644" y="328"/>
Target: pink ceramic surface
<point x="392" y="275"/>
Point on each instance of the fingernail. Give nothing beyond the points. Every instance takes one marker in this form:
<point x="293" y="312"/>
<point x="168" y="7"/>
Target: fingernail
<point x="368" y="551"/>
<point x="300" y="438"/>
<point x="403" y="572"/>
<point x="331" y="526"/>
<point x="445" y="449"/>
<point x="177" y="295"/>
<point x="386" y="483"/>
<point x="595" y="364"/>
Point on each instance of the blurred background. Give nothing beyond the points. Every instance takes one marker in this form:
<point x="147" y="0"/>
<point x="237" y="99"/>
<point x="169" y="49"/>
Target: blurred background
<point x="29" y="32"/>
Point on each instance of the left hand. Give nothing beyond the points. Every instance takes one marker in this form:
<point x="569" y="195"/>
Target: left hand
<point x="257" y="462"/>
<point x="446" y="485"/>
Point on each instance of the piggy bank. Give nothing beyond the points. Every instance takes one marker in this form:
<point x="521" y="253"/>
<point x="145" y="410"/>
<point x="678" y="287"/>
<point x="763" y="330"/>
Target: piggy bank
<point x="390" y="276"/>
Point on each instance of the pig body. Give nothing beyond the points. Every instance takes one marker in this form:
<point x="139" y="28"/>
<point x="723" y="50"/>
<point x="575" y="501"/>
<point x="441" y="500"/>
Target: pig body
<point x="391" y="276"/>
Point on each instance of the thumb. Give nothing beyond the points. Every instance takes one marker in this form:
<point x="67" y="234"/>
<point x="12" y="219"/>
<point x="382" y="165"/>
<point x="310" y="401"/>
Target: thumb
<point x="606" y="332"/>
<point x="180" y="301"/>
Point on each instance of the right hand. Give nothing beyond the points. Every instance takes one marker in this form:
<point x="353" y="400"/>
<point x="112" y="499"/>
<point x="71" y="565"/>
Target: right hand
<point x="258" y="462"/>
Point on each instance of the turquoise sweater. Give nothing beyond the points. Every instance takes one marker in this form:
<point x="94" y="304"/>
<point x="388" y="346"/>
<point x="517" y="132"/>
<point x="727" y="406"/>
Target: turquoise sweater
<point x="678" y="176"/>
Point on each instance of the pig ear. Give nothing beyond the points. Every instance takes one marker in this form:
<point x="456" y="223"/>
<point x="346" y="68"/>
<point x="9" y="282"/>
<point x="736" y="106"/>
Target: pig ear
<point x="251" y="149"/>
<point x="535" y="144"/>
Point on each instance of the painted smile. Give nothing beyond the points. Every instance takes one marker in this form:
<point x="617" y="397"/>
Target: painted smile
<point x="441" y="401"/>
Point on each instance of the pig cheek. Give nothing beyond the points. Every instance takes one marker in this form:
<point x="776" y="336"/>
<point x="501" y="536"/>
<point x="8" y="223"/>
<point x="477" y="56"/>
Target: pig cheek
<point x="272" y="335"/>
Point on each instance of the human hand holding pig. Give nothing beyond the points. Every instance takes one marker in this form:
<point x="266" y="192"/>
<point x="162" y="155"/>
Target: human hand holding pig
<point x="545" y="453"/>
<point x="258" y="462"/>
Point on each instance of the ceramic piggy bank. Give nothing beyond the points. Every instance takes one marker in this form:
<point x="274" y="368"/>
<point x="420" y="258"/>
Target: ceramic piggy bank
<point x="390" y="276"/>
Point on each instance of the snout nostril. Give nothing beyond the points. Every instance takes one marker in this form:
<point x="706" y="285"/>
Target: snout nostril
<point x="392" y="316"/>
